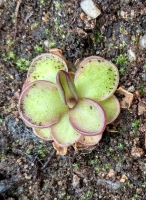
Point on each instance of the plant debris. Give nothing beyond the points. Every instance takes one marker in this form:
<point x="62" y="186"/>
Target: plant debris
<point x="137" y="152"/>
<point x="141" y="108"/>
<point x="59" y="150"/>
<point x="127" y="99"/>
<point x="120" y="26"/>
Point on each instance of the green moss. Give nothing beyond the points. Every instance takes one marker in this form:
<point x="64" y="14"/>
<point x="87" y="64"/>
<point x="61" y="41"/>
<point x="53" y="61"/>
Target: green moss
<point x="97" y="37"/>
<point x="87" y="194"/>
<point x="121" y="60"/>
<point x="122" y="70"/>
<point x="41" y="151"/>
<point x="120" y="146"/>
<point x="136" y="124"/>
<point x="9" y="42"/>
<point x="141" y="89"/>
<point x="136" y="196"/>
<point x="35" y="25"/>
<point x="111" y="149"/>
<point x="144" y="185"/>
<point x="135" y="40"/>
<point x="11" y="55"/>
<point x="75" y="165"/>
<point x="47" y="32"/>
<point x="122" y="30"/>
<point x="57" y="6"/>
<point x="108" y="166"/>
<point x="97" y="168"/>
<point x="22" y="64"/>
<point x="91" y="162"/>
<point x="38" y="49"/>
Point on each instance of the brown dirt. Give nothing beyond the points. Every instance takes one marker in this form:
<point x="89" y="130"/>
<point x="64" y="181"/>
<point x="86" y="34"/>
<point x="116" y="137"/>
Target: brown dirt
<point x="116" y="168"/>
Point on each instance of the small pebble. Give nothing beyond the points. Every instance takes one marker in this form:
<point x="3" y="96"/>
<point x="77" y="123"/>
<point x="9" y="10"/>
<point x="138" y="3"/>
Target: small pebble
<point x="2" y="2"/>
<point x="82" y="16"/>
<point x="24" y="197"/>
<point x="139" y="190"/>
<point x="131" y="55"/>
<point x="142" y="42"/>
<point x="80" y="24"/>
<point x="46" y="43"/>
<point x="123" y="14"/>
<point x="81" y="32"/>
<point x="143" y="76"/>
<point x="109" y="184"/>
<point x="90" y="9"/>
<point x="141" y="108"/>
<point x="76" y="181"/>
<point x="118" y="167"/>
<point x="111" y="173"/>
<point x="137" y="152"/>
<point x="123" y="178"/>
<point x="131" y="89"/>
<point x="60" y="183"/>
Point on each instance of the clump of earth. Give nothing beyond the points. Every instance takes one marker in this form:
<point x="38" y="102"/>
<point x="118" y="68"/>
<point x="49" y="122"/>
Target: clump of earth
<point x="29" y="166"/>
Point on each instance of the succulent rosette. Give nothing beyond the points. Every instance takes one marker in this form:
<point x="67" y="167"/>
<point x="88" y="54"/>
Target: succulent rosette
<point x="65" y="109"/>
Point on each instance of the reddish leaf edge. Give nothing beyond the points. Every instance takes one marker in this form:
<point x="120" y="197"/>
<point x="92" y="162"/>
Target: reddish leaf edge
<point x="89" y="144"/>
<point x="91" y="133"/>
<point x="71" y="86"/>
<point x="118" y="111"/>
<point x="45" y="55"/>
<point x="21" y="113"/>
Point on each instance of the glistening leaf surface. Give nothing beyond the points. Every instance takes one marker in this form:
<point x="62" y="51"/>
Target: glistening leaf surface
<point x="96" y="78"/>
<point x="45" y="67"/>
<point x="111" y="107"/>
<point x="40" y="104"/>
<point x="87" y="117"/>
<point x="63" y="133"/>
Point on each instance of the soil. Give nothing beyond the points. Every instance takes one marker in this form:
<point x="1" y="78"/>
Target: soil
<point x="29" y="166"/>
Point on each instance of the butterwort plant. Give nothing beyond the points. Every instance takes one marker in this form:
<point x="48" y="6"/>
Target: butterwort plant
<point x="69" y="109"/>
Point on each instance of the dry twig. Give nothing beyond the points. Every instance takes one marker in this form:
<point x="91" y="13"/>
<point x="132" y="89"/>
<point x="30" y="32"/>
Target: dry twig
<point x="16" y="17"/>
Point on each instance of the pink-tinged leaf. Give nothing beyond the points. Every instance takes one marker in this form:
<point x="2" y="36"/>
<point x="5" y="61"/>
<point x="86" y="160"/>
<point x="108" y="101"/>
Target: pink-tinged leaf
<point x="96" y="78"/>
<point x="43" y="133"/>
<point x="111" y="107"/>
<point x="40" y="105"/>
<point x="66" y="88"/>
<point x="90" y="140"/>
<point x="26" y="83"/>
<point x="87" y="117"/>
<point x="79" y="146"/>
<point x="63" y="133"/>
